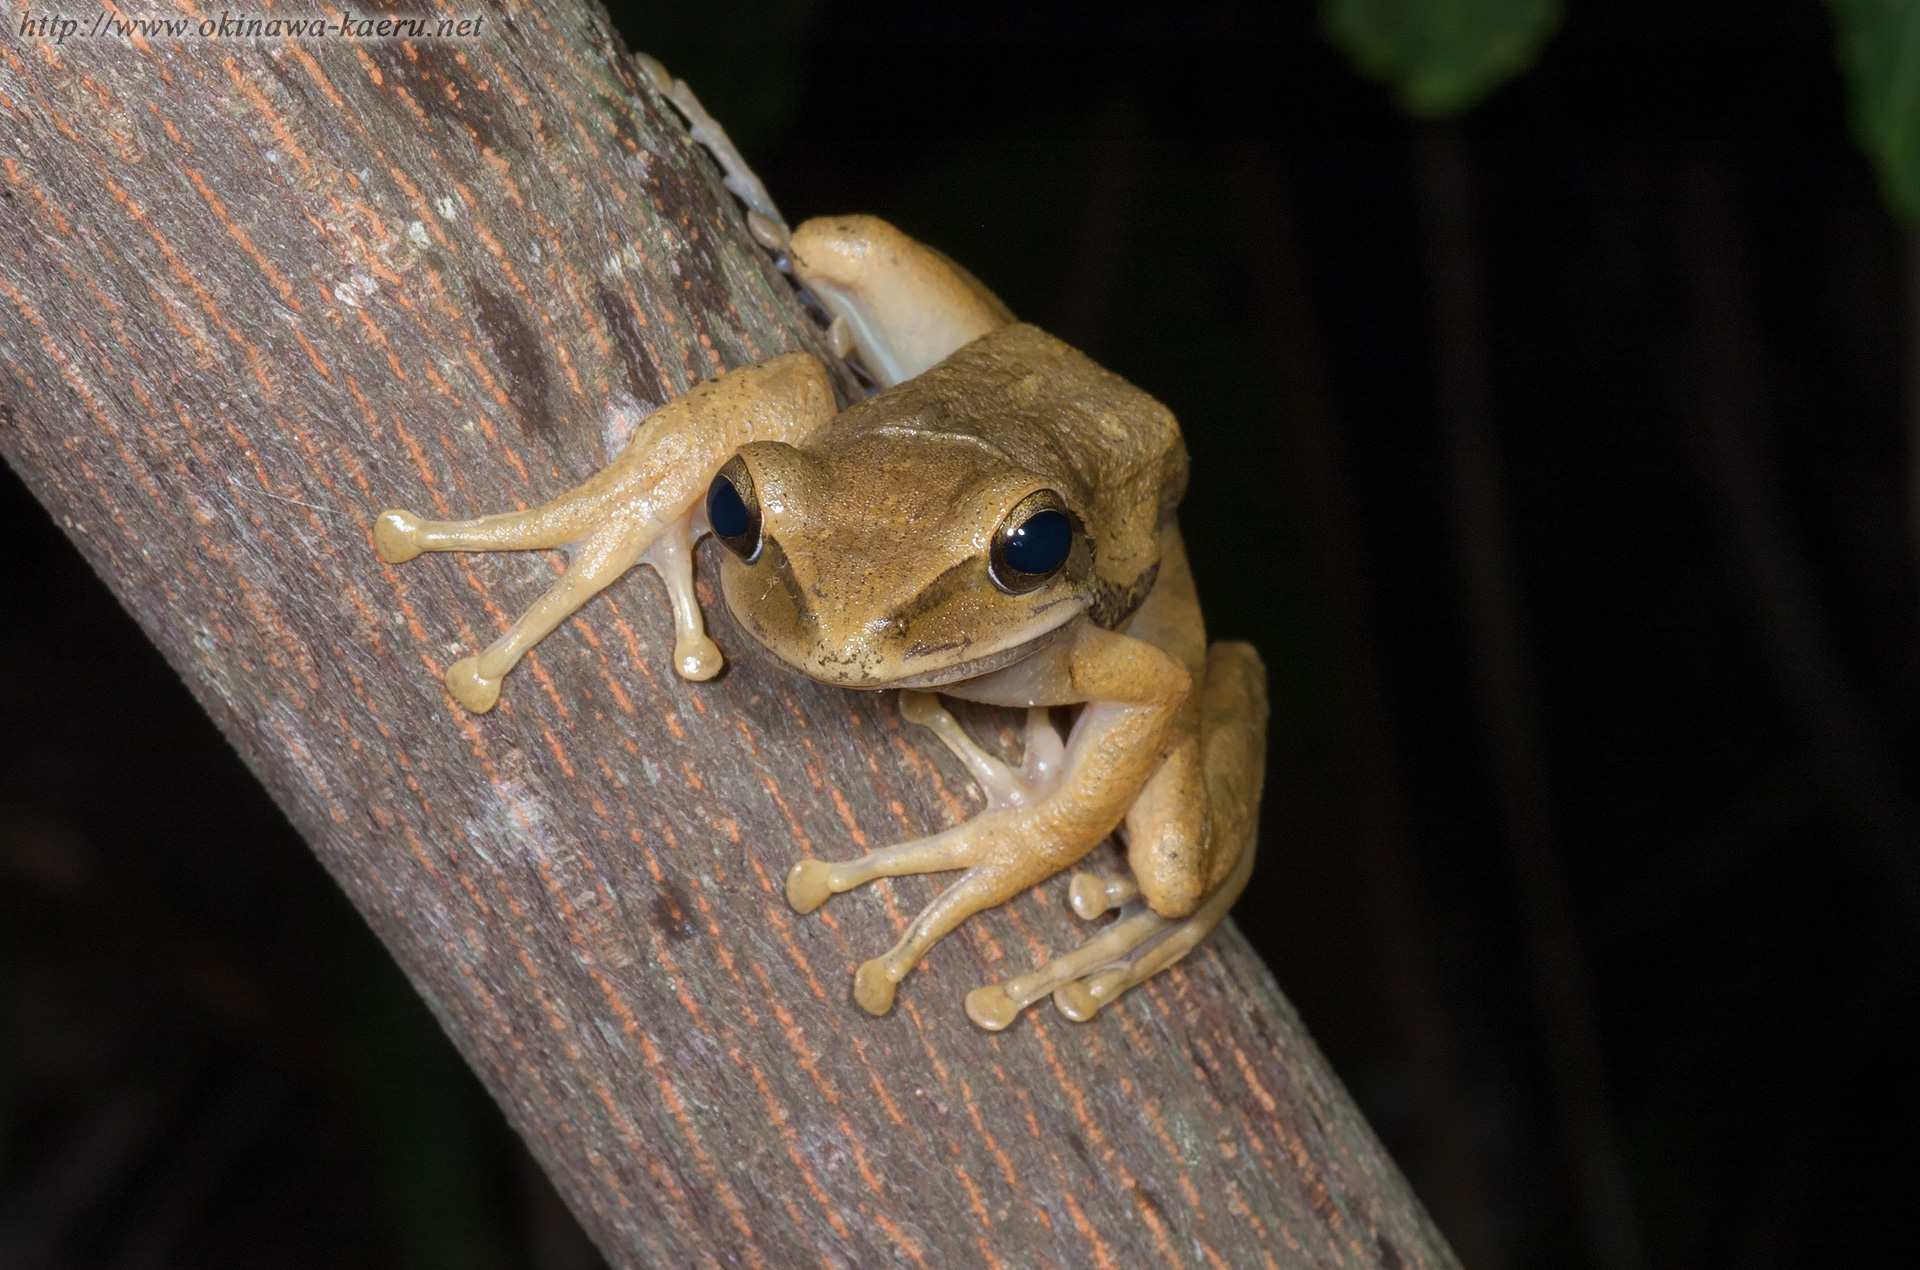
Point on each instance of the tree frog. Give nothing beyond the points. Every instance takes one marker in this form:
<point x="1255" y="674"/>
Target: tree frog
<point x="995" y="525"/>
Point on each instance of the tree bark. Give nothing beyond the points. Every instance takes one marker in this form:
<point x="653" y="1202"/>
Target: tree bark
<point x="252" y="292"/>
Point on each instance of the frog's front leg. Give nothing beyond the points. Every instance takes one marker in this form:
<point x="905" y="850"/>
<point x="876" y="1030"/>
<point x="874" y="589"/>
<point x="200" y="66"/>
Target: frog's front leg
<point x="1134" y="695"/>
<point x="643" y="506"/>
<point x="1004" y="786"/>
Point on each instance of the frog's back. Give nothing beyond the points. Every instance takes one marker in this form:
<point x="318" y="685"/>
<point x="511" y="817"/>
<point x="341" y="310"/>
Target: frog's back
<point x="1113" y="450"/>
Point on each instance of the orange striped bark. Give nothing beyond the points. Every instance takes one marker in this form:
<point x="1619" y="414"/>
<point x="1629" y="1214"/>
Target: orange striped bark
<point x="252" y="293"/>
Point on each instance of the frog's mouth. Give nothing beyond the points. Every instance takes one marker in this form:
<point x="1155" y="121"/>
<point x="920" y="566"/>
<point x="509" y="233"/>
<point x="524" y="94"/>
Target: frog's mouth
<point x="984" y="665"/>
<point x="870" y="673"/>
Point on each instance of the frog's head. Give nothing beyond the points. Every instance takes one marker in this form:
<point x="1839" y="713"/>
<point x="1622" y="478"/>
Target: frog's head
<point x="906" y="557"/>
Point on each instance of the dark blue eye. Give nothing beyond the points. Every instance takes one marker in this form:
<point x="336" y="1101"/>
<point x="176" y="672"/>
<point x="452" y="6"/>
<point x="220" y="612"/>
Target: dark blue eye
<point x="725" y="510"/>
<point x="1031" y="544"/>
<point x="733" y="511"/>
<point x="1040" y="545"/>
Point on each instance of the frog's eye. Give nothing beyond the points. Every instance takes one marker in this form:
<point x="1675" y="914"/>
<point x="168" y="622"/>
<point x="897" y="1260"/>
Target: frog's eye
<point x="734" y="511"/>
<point x="1031" y="543"/>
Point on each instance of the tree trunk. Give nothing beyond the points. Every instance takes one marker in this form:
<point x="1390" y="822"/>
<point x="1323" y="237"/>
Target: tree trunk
<point x="252" y="292"/>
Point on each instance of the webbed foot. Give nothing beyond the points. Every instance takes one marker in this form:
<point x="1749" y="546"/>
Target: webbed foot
<point x="1043" y="816"/>
<point x="1003" y="852"/>
<point x="1083" y="997"/>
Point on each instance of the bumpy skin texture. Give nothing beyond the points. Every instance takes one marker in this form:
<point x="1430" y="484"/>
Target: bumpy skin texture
<point x="886" y="510"/>
<point x="870" y="563"/>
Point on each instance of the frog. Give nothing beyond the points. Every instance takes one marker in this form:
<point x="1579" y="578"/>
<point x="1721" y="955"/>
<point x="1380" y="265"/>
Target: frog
<point x="997" y="523"/>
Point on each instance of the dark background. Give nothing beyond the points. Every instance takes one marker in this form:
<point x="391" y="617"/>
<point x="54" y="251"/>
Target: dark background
<point x="205" y="1059"/>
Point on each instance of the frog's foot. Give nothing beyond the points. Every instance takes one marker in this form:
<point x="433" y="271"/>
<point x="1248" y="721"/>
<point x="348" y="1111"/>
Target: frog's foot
<point x="1003" y="852"/>
<point x="607" y="550"/>
<point x="763" y="218"/>
<point x="1130" y="951"/>
<point x="1040" y="765"/>
<point x="592" y="564"/>
<point x="644" y="505"/>
<point x="1116" y="743"/>
<point x="997" y="1005"/>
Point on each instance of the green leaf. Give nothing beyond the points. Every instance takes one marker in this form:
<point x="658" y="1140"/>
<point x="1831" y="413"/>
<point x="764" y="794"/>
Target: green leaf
<point x="1879" y="50"/>
<point x="1442" y="56"/>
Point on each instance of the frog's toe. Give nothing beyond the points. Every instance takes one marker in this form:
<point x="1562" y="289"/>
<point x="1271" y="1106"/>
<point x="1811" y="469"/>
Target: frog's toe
<point x="1080" y="1002"/>
<point x="396" y="536"/>
<point x="470" y="688"/>
<point x="768" y="232"/>
<point x="992" y="1008"/>
<point x="920" y="707"/>
<point x="698" y="658"/>
<point x="809" y="883"/>
<point x="840" y="338"/>
<point x="873" y="986"/>
<point x="1092" y="895"/>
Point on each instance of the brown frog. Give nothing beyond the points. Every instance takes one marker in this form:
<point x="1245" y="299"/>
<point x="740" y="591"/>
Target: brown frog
<point x="996" y="525"/>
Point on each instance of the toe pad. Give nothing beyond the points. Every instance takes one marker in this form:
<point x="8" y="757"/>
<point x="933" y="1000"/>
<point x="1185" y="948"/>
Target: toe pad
<point x="394" y="536"/>
<point x="470" y="688"/>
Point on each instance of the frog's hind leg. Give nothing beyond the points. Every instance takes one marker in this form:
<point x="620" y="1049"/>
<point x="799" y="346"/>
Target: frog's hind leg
<point x="1231" y="752"/>
<point x="763" y="218"/>
<point x="1189" y="833"/>
<point x="898" y="305"/>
